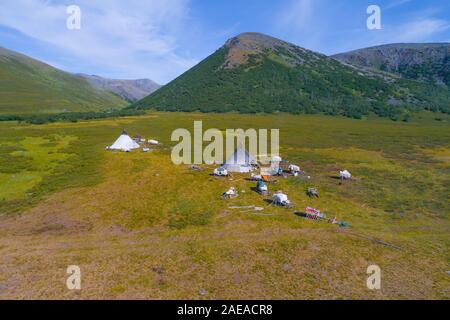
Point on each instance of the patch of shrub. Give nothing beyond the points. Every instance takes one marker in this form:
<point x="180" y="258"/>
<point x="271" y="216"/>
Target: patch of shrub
<point x="70" y="116"/>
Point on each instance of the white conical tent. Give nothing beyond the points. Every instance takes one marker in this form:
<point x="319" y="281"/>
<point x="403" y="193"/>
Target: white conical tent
<point x="124" y="143"/>
<point x="240" y="161"/>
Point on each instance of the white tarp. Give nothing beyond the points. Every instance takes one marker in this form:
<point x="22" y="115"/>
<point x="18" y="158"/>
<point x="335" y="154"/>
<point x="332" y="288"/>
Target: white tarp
<point x="280" y="198"/>
<point x="276" y="159"/>
<point x="220" y="172"/>
<point x="345" y="174"/>
<point x="268" y="171"/>
<point x="275" y="164"/>
<point x="256" y="177"/>
<point x="124" y="143"/>
<point x="231" y="191"/>
<point x="240" y="161"/>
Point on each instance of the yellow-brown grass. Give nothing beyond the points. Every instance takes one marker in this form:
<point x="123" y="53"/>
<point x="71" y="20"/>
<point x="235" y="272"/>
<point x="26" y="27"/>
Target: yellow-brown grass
<point x="148" y="229"/>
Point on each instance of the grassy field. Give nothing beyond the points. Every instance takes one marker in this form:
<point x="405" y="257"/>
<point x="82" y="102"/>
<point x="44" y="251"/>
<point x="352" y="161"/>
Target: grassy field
<point x="140" y="227"/>
<point x="28" y="86"/>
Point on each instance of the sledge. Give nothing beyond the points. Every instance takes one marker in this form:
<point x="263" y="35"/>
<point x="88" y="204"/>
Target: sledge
<point x="312" y="213"/>
<point x="312" y="192"/>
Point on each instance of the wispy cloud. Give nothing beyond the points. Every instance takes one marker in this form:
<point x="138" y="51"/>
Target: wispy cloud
<point x="160" y="39"/>
<point x="396" y="3"/>
<point x="416" y="26"/>
<point x="300" y="21"/>
<point x="419" y="30"/>
<point x="133" y="37"/>
<point x="330" y="27"/>
<point x="297" y="15"/>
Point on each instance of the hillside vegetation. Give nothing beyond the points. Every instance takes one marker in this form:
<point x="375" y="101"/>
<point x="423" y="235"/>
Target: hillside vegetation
<point x="28" y="86"/>
<point x="428" y="62"/>
<point x="257" y="73"/>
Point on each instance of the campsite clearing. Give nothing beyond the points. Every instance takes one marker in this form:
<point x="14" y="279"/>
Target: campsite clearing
<point x="140" y="227"/>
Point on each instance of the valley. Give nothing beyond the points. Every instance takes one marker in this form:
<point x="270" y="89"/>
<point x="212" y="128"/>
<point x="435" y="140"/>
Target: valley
<point x="29" y="87"/>
<point x="140" y="227"/>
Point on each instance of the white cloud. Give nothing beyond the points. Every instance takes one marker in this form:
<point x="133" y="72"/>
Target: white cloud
<point x="396" y="3"/>
<point x="418" y="26"/>
<point x="419" y="30"/>
<point x="425" y="29"/>
<point x="132" y="38"/>
<point x="302" y="22"/>
<point x="297" y="15"/>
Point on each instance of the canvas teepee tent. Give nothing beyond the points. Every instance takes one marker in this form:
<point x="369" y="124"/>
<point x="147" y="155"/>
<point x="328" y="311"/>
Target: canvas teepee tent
<point x="124" y="143"/>
<point x="240" y="161"/>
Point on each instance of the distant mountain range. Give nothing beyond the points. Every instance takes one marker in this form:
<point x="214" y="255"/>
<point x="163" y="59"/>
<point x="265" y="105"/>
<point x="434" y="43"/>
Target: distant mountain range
<point x="250" y="73"/>
<point x="28" y="86"/>
<point x="426" y="62"/>
<point x="253" y="72"/>
<point x="129" y="90"/>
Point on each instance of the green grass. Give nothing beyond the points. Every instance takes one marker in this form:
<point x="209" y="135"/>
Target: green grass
<point x="25" y="168"/>
<point x="141" y="227"/>
<point x="28" y="86"/>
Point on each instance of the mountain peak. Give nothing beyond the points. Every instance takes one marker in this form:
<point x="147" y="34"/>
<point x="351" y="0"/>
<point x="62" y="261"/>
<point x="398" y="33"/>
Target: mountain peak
<point x="129" y="90"/>
<point x="253" y="44"/>
<point x="254" y="73"/>
<point x="256" y="37"/>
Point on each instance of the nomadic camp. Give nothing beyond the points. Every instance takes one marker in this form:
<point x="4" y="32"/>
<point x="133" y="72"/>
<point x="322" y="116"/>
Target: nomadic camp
<point x="124" y="143"/>
<point x="240" y="161"/>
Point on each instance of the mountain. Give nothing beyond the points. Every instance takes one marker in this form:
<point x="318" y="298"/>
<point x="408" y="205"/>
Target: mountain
<point x="253" y="72"/>
<point x="426" y="62"/>
<point x="28" y="86"/>
<point x="129" y="90"/>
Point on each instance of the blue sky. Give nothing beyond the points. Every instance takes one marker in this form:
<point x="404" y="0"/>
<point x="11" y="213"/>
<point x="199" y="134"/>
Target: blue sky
<point x="160" y="39"/>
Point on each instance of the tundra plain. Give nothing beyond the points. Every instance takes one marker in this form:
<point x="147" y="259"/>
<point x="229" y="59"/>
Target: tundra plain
<point x="140" y="227"/>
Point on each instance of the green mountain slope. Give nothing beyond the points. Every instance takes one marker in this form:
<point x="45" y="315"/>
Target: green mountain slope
<point x="257" y="73"/>
<point x="29" y="86"/>
<point x="420" y="61"/>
